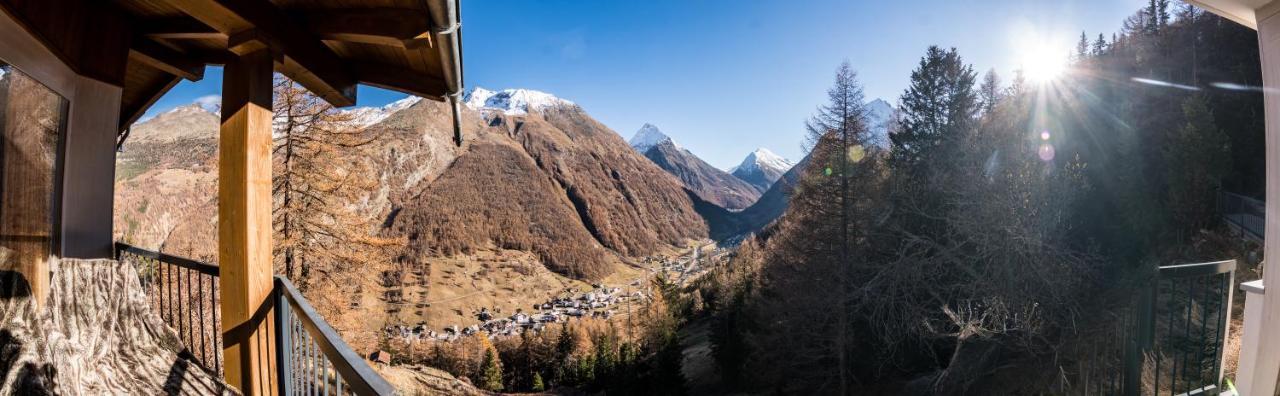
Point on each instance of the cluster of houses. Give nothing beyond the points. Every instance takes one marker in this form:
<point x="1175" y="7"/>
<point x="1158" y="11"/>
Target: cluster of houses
<point x="601" y="302"/>
<point x="695" y="264"/>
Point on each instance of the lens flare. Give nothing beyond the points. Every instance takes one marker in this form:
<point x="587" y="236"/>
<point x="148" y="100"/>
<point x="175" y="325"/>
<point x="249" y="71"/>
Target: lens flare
<point x="857" y="153"/>
<point x="1046" y="152"/>
<point x="1159" y="83"/>
<point x="1044" y="135"/>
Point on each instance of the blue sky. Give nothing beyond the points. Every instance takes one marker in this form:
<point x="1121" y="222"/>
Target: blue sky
<point x="726" y="76"/>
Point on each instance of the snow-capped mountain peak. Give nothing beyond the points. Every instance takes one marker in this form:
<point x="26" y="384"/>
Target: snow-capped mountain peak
<point x="761" y="168"/>
<point x="190" y="108"/>
<point x="879" y="113"/>
<point x="366" y="116"/>
<point x="475" y="98"/>
<point x="647" y="137"/>
<point x="763" y="157"/>
<point x="512" y="101"/>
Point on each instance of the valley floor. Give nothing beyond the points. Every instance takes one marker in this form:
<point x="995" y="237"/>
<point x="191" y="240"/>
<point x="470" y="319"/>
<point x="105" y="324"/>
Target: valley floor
<point x="457" y="292"/>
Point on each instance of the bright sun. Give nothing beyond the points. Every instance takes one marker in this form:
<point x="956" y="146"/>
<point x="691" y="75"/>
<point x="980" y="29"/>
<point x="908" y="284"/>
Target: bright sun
<point x="1042" y="64"/>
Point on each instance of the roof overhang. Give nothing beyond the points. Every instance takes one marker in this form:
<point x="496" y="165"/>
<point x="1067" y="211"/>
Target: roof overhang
<point x="1244" y="12"/>
<point x="328" y="46"/>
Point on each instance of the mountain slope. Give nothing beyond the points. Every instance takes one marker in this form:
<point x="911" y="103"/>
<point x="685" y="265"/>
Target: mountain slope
<point x="708" y="182"/>
<point x="761" y="168"/>
<point x="773" y="202"/>
<point x="726" y="226"/>
<point x="166" y="183"/>
<point x="366" y="116"/>
<point x="538" y="174"/>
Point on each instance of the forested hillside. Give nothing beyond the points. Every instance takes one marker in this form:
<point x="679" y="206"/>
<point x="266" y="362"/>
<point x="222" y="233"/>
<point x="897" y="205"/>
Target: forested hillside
<point x="982" y="252"/>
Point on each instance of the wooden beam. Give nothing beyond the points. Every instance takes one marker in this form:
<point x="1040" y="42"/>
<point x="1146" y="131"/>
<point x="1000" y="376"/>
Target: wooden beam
<point x="307" y="60"/>
<point x="179" y="28"/>
<point x="163" y="58"/>
<point x="248" y="41"/>
<point x="153" y="93"/>
<point x="401" y="27"/>
<point x="401" y="79"/>
<point x="244" y="222"/>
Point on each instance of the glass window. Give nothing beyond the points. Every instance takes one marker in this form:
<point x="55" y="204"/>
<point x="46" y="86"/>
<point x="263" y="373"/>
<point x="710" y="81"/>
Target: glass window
<point x="32" y="118"/>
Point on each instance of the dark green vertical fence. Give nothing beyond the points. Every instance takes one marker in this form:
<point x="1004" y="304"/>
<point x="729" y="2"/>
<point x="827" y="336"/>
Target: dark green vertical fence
<point x="1170" y="340"/>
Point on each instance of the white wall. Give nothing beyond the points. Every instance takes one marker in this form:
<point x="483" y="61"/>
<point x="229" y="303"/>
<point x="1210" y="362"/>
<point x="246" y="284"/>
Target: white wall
<point x="1268" y="348"/>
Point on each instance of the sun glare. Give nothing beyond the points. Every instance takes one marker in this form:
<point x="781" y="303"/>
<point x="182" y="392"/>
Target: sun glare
<point x="1042" y="65"/>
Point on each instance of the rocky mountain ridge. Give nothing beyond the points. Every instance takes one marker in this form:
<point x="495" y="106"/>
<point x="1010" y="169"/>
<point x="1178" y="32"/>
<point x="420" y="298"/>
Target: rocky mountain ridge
<point x="708" y="182"/>
<point x="761" y="168"/>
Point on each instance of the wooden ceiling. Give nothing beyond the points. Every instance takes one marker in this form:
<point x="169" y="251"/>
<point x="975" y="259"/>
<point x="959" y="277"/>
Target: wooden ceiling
<point x="328" y="46"/>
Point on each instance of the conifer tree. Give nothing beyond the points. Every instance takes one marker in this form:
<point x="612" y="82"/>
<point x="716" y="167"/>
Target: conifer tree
<point x="606" y="355"/>
<point x="1157" y="13"/>
<point x="989" y="92"/>
<point x="314" y="230"/>
<point x="936" y="108"/>
<point x="838" y="133"/>
<point x="1162" y="13"/>
<point x="538" y="386"/>
<point x="810" y="336"/>
<point x="490" y="368"/>
<point x="668" y="378"/>
<point x="1099" y="46"/>
<point x="1198" y="155"/>
<point x="1151" y="23"/>
<point x="1082" y="47"/>
<point x="566" y="343"/>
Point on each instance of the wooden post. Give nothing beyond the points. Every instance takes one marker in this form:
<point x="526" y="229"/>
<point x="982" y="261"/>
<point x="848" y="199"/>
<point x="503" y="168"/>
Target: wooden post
<point x="244" y="222"/>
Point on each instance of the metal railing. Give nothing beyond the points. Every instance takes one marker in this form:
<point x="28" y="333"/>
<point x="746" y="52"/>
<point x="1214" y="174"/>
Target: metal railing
<point x="1102" y="372"/>
<point x="1170" y="340"/>
<point x="1185" y="330"/>
<point x="184" y="293"/>
<point x="1246" y="214"/>
<point x="312" y="358"/>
